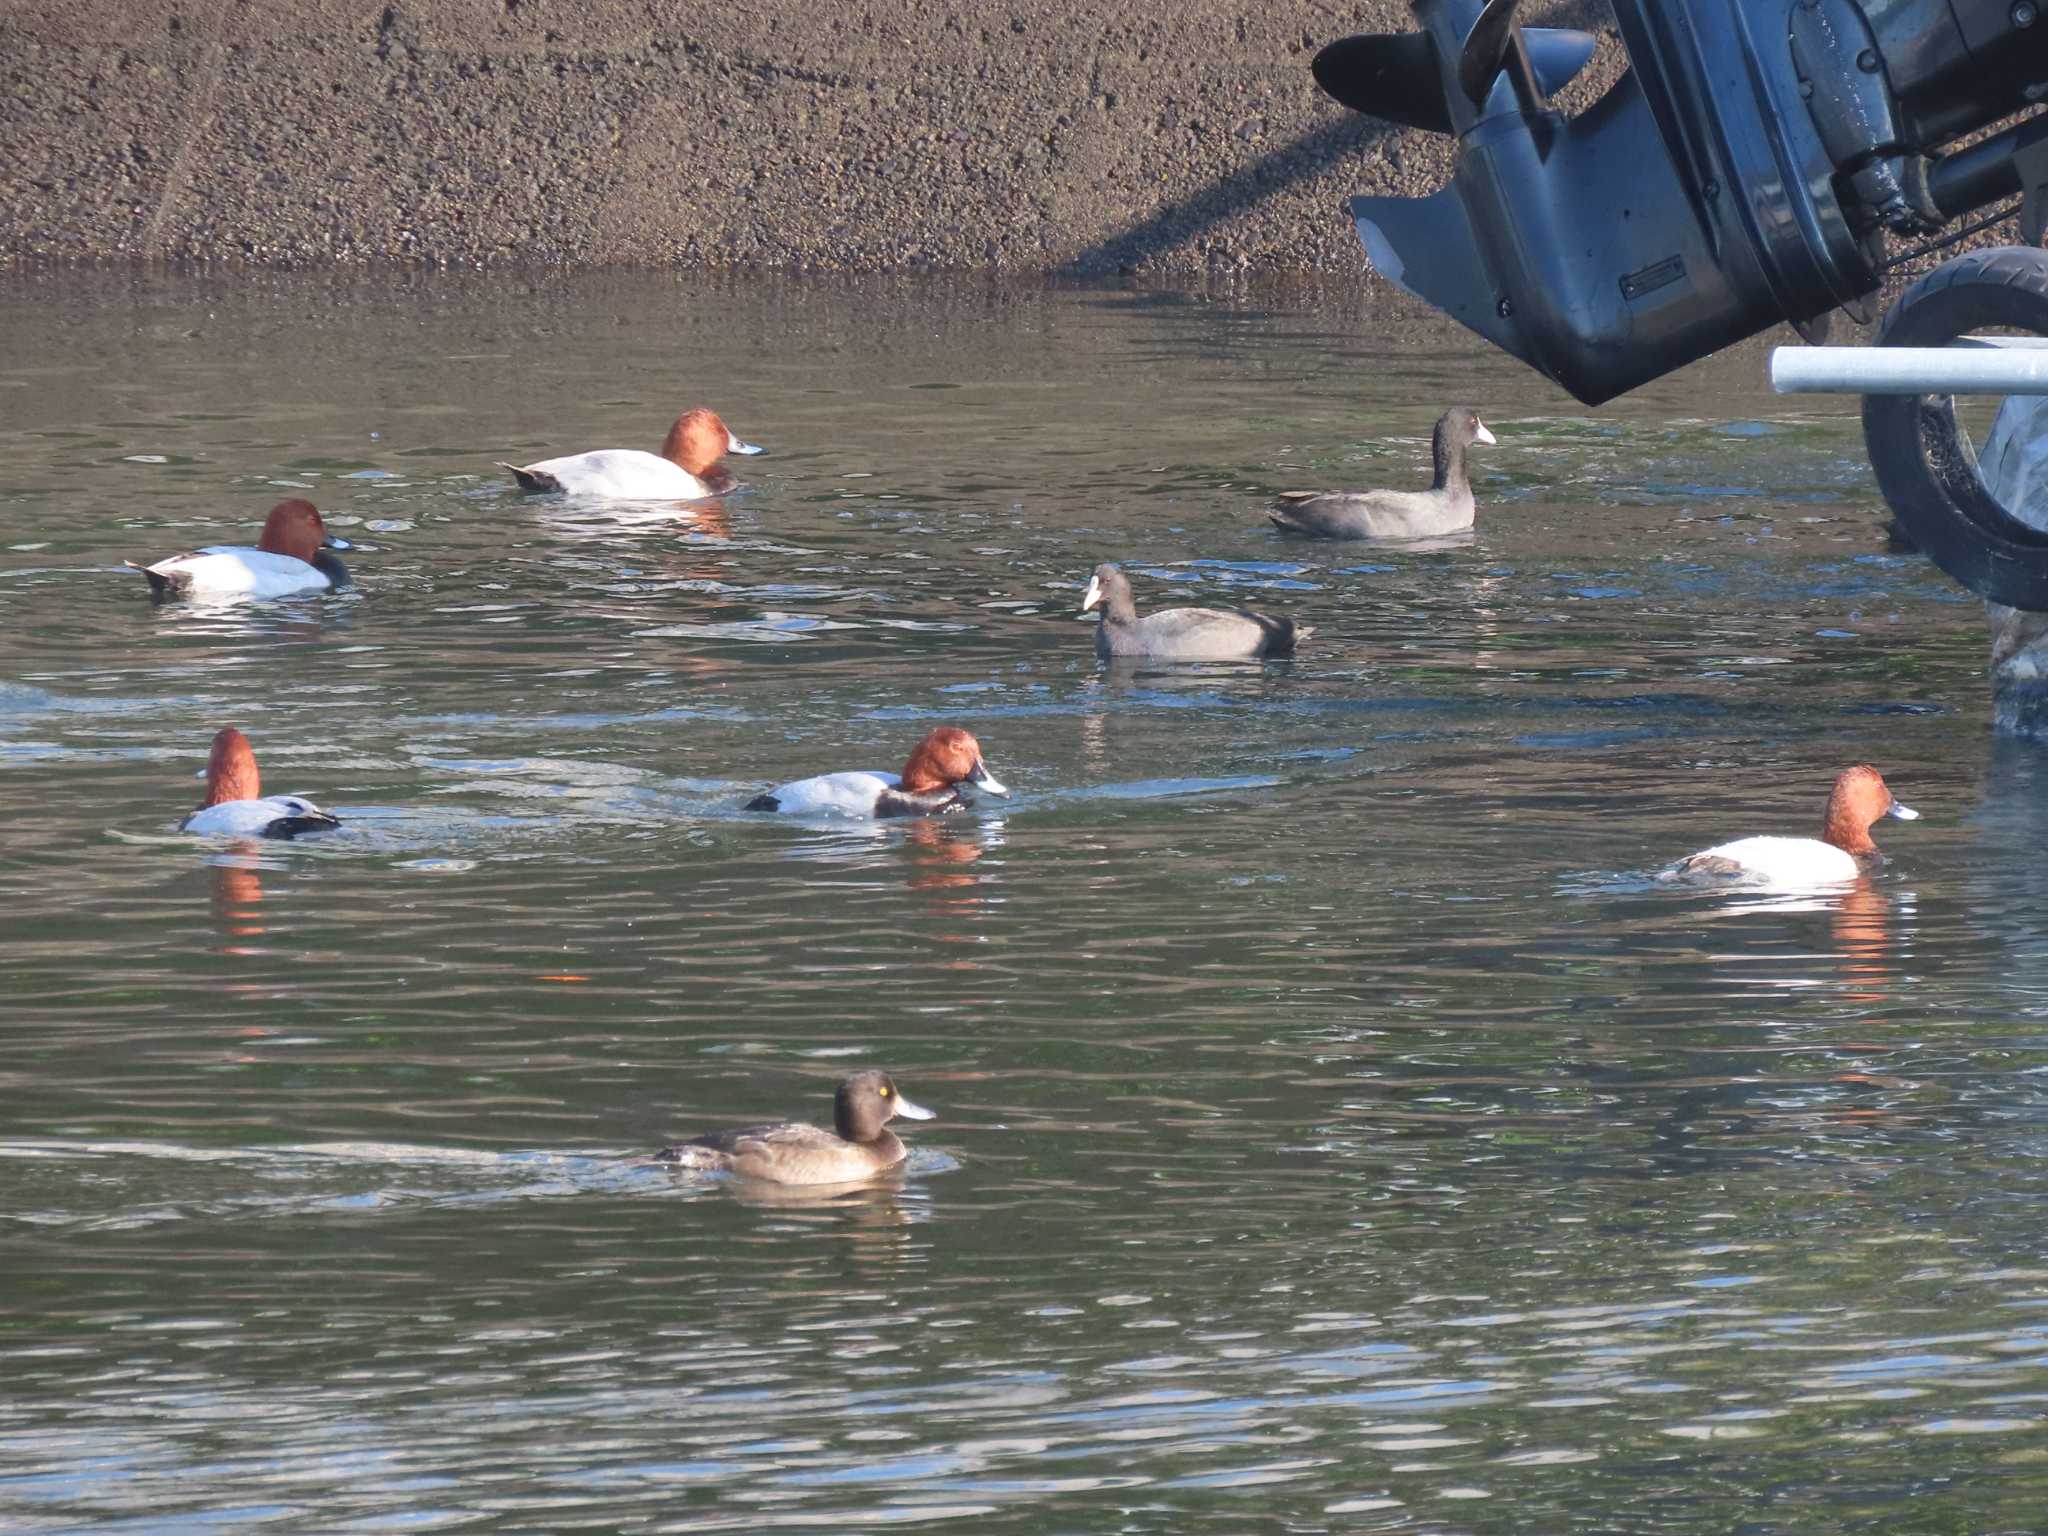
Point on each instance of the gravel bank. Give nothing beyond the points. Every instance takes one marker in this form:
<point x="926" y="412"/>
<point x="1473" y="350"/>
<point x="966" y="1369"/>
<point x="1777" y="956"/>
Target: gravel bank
<point x="825" y="134"/>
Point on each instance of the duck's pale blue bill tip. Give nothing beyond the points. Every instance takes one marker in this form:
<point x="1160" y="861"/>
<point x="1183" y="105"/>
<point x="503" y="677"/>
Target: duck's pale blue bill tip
<point x="336" y="541"/>
<point x="734" y="445"/>
<point x="987" y="782"/>
<point x="1903" y="812"/>
<point x="912" y="1111"/>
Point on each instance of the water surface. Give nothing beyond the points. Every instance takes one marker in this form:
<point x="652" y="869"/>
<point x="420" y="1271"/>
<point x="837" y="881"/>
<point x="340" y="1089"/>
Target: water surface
<point x="1339" y="1129"/>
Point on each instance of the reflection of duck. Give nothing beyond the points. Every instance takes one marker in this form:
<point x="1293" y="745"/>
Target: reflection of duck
<point x="937" y="854"/>
<point x="290" y="556"/>
<point x="235" y="805"/>
<point x="939" y="766"/>
<point x="690" y="465"/>
<point x="1843" y="851"/>
<point x="859" y="1145"/>
<point x="237" y="893"/>
<point x="1862" y="933"/>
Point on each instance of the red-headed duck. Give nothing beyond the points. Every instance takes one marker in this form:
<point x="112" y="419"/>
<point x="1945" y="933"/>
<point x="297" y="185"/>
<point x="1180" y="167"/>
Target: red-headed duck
<point x="1181" y="634"/>
<point x="1446" y="507"/>
<point x="235" y="805"/>
<point x="859" y="1145"/>
<point x="689" y="465"/>
<point x="291" y="555"/>
<point x="945" y="761"/>
<point x="1841" y="852"/>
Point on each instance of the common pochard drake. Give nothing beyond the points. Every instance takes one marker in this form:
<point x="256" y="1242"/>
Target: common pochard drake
<point x="930" y="784"/>
<point x="690" y="465"/>
<point x="235" y="805"/>
<point x="859" y="1145"/>
<point x="1182" y="634"/>
<point x="1446" y="507"/>
<point x="1841" y="852"/>
<point x="291" y="555"/>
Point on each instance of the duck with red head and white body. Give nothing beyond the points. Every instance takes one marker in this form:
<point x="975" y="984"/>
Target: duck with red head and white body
<point x="291" y="555"/>
<point x="1843" y="851"/>
<point x="690" y="465"/>
<point x="945" y="762"/>
<point x="235" y="805"/>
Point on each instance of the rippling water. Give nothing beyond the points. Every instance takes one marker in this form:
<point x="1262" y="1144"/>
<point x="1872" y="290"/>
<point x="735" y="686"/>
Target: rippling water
<point x="1338" y="1128"/>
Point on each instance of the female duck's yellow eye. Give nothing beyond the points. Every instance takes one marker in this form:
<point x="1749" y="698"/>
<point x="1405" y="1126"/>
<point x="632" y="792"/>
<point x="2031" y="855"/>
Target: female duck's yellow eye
<point x="884" y="1092"/>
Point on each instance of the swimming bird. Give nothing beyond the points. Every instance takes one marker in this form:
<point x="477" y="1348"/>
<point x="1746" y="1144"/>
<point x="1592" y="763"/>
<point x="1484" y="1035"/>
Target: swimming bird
<point x="291" y="555"/>
<point x="235" y="805"/>
<point x="1842" y="851"/>
<point x="1446" y="507"/>
<point x="947" y="760"/>
<point x="858" y="1146"/>
<point x="690" y="465"/>
<point x="1182" y="634"/>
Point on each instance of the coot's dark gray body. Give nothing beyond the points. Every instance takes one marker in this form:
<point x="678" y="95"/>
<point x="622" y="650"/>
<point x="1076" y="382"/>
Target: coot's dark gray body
<point x="1446" y="507"/>
<point x="1182" y="634"/>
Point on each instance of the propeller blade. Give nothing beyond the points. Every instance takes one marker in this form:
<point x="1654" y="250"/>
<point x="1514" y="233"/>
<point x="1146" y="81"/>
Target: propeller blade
<point x="1394" y="76"/>
<point x="1486" y="49"/>
<point x="1557" y="54"/>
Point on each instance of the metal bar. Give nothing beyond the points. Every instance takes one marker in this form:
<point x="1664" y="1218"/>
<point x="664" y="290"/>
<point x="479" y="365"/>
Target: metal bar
<point x="1983" y="365"/>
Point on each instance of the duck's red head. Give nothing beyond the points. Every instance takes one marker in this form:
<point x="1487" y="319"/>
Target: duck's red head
<point x="698" y="440"/>
<point x="293" y="528"/>
<point x="231" y="770"/>
<point x="1859" y="799"/>
<point x="948" y="756"/>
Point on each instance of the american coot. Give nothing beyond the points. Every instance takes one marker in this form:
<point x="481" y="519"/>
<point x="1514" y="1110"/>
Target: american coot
<point x="1182" y="634"/>
<point x="290" y="556"/>
<point x="928" y="786"/>
<point x="1446" y="507"/>
<point x="858" y="1146"/>
<point x="235" y="805"/>
<point x="688" y="466"/>
<point x="1841" y="852"/>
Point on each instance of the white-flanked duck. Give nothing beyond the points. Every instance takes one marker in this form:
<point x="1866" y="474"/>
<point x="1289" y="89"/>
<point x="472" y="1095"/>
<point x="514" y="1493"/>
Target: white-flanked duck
<point x="1445" y="508"/>
<point x="690" y="465"/>
<point x="1843" y="850"/>
<point x="945" y="762"/>
<point x="291" y="555"/>
<point x="1182" y="634"/>
<point x="235" y="805"/>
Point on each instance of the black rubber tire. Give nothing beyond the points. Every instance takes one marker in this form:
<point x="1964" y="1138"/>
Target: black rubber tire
<point x="1924" y="462"/>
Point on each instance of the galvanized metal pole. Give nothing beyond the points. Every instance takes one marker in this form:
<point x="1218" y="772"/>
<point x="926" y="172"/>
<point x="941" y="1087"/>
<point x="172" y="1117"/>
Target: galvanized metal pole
<point x="1975" y="365"/>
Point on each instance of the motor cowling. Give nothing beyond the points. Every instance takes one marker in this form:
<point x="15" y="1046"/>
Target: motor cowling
<point x="1743" y="172"/>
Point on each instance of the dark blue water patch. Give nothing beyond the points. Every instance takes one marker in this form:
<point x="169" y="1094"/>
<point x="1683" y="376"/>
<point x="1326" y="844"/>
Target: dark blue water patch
<point x="1250" y="567"/>
<point x="1694" y="488"/>
<point x="1893" y="707"/>
<point x="1381" y="570"/>
<point x="1573" y="741"/>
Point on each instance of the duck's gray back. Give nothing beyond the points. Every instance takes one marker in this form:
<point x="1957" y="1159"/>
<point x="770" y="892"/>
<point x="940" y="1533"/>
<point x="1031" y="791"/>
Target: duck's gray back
<point x="1378" y="514"/>
<point x="1197" y="634"/>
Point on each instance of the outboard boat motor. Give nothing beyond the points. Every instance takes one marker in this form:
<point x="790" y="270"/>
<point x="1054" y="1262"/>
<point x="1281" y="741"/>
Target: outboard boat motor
<point x="1743" y="172"/>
